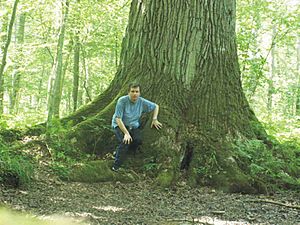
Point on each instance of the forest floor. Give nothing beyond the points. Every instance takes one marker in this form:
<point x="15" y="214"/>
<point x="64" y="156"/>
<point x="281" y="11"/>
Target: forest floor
<point x="144" y="203"/>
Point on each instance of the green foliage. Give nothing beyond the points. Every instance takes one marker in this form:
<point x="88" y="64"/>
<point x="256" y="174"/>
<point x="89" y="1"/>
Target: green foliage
<point x="209" y="166"/>
<point x="61" y="169"/>
<point x="282" y="128"/>
<point x="63" y="152"/>
<point x="57" y="139"/>
<point x="289" y="152"/>
<point x="278" y="165"/>
<point x="98" y="129"/>
<point x="267" y="44"/>
<point x="99" y="27"/>
<point x="151" y="166"/>
<point x="15" y="168"/>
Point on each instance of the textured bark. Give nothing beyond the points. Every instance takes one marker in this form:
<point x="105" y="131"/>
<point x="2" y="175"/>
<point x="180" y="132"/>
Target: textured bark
<point x="184" y="55"/>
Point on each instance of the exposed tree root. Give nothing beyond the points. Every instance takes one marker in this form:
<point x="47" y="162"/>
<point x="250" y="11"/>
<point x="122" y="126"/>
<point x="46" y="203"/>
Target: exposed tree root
<point x="277" y="203"/>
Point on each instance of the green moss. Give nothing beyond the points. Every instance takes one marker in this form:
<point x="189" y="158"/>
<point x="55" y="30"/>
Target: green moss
<point x="166" y="178"/>
<point x="234" y="181"/>
<point x="99" y="171"/>
<point x="215" y="164"/>
<point x="36" y="130"/>
<point x="193" y="178"/>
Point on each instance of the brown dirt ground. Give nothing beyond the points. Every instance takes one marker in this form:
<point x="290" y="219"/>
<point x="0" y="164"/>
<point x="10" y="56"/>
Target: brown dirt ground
<point x="144" y="203"/>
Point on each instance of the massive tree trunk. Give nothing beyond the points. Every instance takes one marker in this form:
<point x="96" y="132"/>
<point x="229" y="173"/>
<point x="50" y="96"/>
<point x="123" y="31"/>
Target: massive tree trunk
<point x="184" y="55"/>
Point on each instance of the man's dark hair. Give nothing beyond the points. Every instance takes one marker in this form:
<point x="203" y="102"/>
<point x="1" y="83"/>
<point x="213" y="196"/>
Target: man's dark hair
<point x="134" y="85"/>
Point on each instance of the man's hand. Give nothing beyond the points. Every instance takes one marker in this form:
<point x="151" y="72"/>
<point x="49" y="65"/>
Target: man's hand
<point x="155" y="123"/>
<point x="127" y="139"/>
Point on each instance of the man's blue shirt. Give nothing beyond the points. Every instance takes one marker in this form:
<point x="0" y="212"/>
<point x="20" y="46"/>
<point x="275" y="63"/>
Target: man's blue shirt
<point x="130" y="112"/>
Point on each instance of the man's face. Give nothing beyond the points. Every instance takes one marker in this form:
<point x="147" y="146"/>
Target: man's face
<point x="134" y="93"/>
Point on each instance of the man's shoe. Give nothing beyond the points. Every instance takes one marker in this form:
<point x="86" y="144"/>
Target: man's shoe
<point x="114" y="168"/>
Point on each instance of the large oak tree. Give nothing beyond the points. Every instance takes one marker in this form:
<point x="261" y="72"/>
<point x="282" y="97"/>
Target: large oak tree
<point x="184" y="55"/>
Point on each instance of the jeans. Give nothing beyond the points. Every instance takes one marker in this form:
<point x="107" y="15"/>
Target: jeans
<point x="123" y="148"/>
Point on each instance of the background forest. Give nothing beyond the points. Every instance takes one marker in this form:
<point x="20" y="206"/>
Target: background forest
<point x="268" y="45"/>
<point x="57" y="57"/>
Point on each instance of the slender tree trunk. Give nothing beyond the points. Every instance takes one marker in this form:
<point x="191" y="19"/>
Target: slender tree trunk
<point x="272" y="74"/>
<point x="65" y="68"/>
<point x="76" y="64"/>
<point x="80" y="97"/>
<point x="5" y="52"/>
<point x="116" y="51"/>
<point x="16" y="75"/>
<point x="76" y="71"/>
<point x="69" y="101"/>
<point x="39" y="95"/>
<point x="298" y="73"/>
<point x="86" y="78"/>
<point x="55" y="93"/>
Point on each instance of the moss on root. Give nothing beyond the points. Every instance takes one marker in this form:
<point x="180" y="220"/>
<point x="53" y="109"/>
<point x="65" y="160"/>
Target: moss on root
<point x="166" y="178"/>
<point x="205" y="155"/>
<point x="94" y="135"/>
<point x="214" y="163"/>
<point x="99" y="171"/>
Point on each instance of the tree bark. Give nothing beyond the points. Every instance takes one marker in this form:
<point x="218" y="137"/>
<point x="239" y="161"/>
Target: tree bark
<point x="86" y="85"/>
<point x="55" y="90"/>
<point x="76" y="65"/>
<point x="298" y="73"/>
<point x="183" y="53"/>
<point x="76" y="71"/>
<point x="272" y="73"/>
<point x="39" y="94"/>
<point x="5" y="51"/>
<point x="16" y="75"/>
<point x="116" y="55"/>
